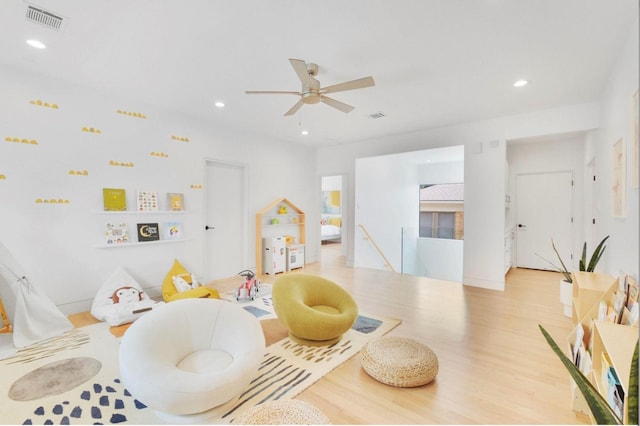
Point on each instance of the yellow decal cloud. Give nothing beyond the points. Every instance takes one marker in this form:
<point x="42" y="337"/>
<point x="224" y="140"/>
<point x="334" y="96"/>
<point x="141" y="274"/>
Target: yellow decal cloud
<point x="52" y="201"/>
<point x="21" y="140"/>
<point x="196" y="186"/>
<point x="91" y="130"/>
<point x="38" y="102"/>
<point x="180" y="138"/>
<point x="132" y="114"/>
<point x="120" y="164"/>
<point x="79" y="172"/>
<point x="159" y="154"/>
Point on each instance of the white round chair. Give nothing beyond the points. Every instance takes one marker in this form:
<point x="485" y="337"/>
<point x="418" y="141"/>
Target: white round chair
<point x="190" y="356"/>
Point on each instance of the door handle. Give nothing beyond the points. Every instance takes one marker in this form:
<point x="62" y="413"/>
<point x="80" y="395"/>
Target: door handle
<point x="207" y="227"/>
<point x="521" y="225"/>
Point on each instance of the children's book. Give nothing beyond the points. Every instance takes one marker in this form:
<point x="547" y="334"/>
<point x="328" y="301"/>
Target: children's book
<point x="147" y="201"/>
<point x="148" y="232"/>
<point x="115" y="199"/>
<point x="175" y="201"/>
<point x="173" y="230"/>
<point x="116" y="233"/>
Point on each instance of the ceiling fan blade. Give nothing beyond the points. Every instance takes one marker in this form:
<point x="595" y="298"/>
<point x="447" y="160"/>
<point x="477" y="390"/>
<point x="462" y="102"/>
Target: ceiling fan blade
<point x="349" y="85"/>
<point x="336" y="104"/>
<point x="271" y="92"/>
<point x="300" y="67"/>
<point x="294" y="108"/>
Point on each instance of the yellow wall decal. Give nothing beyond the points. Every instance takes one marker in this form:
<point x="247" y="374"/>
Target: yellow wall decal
<point x="52" y="201"/>
<point x="132" y="114"/>
<point x="180" y="138"/>
<point x="91" y="130"/>
<point x="21" y="140"/>
<point x="196" y="186"/>
<point x="2" y="177"/>
<point x="120" y="164"/>
<point x="38" y="102"/>
<point x="159" y="154"/>
<point x="79" y="172"/>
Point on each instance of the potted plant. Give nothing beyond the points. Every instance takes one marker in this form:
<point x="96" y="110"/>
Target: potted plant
<point x="600" y="409"/>
<point x="566" y="284"/>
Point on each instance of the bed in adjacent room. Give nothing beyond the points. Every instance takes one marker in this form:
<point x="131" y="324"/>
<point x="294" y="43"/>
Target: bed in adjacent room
<point x="331" y="228"/>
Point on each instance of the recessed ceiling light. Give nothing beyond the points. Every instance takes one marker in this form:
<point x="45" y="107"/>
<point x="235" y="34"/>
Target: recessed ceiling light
<point x="36" y="43"/>
<point x="220" y="104"/>
<point x="304" y="132"/>
<point x="520" y="83"/>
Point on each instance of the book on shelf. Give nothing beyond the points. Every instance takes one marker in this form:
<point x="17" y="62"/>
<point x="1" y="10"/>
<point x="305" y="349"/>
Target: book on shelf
<point x="114" y="199"/>
<point x="632" y="291"/>
<point x="116" y="233"/>
<point x="148" y="232"/>
<point x="147" y="201"/>
<point x="175" y="201"/>
<point x="173" y="230"/>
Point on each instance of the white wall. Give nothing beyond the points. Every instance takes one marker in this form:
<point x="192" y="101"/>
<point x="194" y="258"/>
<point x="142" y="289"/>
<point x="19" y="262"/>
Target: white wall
<point x="387" y="199"/>
<point x="484" y="172"/>
<point x="621" y="255"/>
<point x="56" y="244"/>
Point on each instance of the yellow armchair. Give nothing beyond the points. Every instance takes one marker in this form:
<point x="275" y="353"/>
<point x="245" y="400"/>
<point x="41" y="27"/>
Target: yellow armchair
<point x="316" y="311"/>
<point x="171" y="293"/>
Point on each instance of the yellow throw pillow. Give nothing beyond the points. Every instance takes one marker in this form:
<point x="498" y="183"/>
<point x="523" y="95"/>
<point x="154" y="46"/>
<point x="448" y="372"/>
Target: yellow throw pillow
<point x="335" y="221"/>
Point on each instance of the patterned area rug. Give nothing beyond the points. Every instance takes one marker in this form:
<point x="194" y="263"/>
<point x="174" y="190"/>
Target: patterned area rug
<point x="52" y="397"/>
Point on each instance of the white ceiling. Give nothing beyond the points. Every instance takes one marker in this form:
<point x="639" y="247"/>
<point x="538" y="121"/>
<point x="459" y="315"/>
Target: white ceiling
<point x="435" y="62"/>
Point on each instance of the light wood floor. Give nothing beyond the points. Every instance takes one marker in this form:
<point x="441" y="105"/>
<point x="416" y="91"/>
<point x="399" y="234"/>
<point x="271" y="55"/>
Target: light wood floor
<point x="495" y="366"/>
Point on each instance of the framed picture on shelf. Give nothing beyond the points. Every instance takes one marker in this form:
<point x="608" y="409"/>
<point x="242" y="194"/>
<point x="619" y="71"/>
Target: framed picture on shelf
<point x="147" y="201"/>
<point x="148" y="232"/>
<point x="173" y="230"/>
<point x="175" y="201"/>
<point x="116" y="234"/>
<point x="114" y="199"/>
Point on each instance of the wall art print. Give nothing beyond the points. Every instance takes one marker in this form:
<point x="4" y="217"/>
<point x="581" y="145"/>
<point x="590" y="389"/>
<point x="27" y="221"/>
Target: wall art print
<point x="636" y="152"/>
<point x="618" y="181"/>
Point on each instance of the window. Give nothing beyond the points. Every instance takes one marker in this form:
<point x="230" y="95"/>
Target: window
<point x="442" y="211"/>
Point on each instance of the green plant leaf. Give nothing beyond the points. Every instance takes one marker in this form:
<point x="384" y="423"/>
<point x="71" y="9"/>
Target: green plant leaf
<point x="583" y="258"/>
<point x="602" y="412"/>
<point x="632" y="398"/>
<point x="564" y="270"/>
<point x="597" y="254"/>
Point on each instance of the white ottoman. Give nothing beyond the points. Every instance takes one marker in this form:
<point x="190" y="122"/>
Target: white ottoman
<point x="190" y="355"/>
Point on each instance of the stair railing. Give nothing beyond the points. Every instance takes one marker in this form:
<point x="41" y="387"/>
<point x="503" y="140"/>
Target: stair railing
<point x="369" y="238"/>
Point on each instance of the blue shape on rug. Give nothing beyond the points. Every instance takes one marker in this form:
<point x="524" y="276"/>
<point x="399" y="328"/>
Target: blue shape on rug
<point x="104" y="400"/>
<point x="76" y="412"/>
<point x="110" y="389"/>
<point x="118" y="418"/>
<point x="96" y="413"/>
<point x="86" y="395"/>
<point x="27" y="422"/>
<point x="139" y="405"/>
<point x="119" y="404"/>
<point x="257" y="312"/>
<point x="57" y="409"/>
<point x="366" y="325"/>
<point x="97" y="387"/>
<point x="64" y="421"/>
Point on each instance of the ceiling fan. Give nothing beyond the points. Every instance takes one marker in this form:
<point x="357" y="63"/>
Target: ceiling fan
<point x="311" y="92"/>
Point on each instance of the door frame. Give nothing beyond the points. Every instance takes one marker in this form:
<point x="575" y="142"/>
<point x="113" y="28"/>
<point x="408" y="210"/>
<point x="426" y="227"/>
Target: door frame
<point x="244" y="210"/>
<point x="572" y="232"/>
<point x="344" y="199"/>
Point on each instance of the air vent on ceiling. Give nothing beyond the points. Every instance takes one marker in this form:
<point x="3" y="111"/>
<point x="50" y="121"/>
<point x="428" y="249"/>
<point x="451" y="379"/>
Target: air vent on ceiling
<point x="377" y="115"/>
<point x="44" y="18"/>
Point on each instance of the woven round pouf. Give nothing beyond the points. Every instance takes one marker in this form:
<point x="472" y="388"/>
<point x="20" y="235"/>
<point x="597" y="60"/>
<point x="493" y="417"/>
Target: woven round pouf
<point x="290" y="412"/>
<point x="399" y="361"/>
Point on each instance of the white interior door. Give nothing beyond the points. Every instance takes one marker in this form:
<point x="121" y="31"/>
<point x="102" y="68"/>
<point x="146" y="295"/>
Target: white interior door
<point x="225" y="220"/>
<point x="544" y="210"/>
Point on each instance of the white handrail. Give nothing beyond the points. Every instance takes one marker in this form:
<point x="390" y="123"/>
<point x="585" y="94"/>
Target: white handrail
<point x="368" y="237"/>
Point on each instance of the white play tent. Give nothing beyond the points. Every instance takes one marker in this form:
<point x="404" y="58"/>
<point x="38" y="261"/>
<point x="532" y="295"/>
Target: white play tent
<point x="33" y="316"/>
